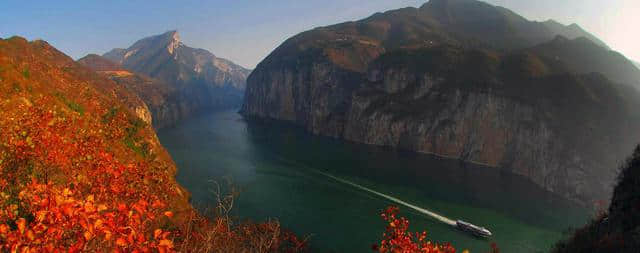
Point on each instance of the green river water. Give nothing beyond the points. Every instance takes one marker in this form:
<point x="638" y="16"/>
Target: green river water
<point x="275" y="165"/>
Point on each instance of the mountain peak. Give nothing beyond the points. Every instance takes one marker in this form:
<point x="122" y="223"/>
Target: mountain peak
<point x="168" y="41"/>
<point x="172" y="36"/>
<point x="173" y="39"/>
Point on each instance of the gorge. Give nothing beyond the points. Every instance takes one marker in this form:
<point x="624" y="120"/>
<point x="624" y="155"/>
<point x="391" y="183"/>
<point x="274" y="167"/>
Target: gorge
<point x="466" y="80"/>
<point x="460" y="118"/>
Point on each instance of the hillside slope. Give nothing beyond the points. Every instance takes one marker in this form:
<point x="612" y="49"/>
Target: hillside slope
<point x="80" y="169"/>
<point x="461" y="79"/>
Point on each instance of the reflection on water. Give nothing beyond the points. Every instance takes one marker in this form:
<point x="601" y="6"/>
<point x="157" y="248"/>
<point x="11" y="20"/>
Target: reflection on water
<point x="273" y="164"/>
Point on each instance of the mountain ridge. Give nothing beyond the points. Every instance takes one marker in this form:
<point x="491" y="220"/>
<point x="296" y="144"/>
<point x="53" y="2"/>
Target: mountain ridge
<point x="490" y="18"/>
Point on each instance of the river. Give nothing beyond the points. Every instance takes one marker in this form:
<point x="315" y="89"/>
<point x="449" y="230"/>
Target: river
<point x="276" y="167"/>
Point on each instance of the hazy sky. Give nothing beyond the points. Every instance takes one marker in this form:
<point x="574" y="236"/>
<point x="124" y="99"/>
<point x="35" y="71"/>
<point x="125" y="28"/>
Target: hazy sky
<point x="245" y="31"/>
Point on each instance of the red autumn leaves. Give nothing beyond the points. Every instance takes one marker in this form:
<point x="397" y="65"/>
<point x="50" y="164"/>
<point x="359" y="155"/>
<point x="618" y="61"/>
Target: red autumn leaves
<point x="396" y="238"/>
<point x="63" y="189"/>
<point x="63" y="221"/>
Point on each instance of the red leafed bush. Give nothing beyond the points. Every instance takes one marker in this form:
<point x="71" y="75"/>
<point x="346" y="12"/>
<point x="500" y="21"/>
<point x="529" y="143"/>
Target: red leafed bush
<point x="62" y="190"/>
<point x="397" y="238"/>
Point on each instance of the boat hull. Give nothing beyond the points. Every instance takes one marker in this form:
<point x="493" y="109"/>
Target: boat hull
<point x="473" y="229"/>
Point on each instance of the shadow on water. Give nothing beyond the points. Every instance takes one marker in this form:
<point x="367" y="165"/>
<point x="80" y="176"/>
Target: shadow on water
<point x="439" y="178"/>
<point x="272" y="163"/>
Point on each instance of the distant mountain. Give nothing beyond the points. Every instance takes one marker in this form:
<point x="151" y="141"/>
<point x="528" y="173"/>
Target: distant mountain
<point x="206" y="80"/>
<point x="162" y="99"/>
<point x="466" y="80"/>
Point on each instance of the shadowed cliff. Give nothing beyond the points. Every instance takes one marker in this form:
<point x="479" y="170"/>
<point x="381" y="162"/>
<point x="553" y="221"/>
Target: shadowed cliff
<point x="617" y="230"/>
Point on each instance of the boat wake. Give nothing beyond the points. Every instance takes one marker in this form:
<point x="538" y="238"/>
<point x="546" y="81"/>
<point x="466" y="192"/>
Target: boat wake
<point x="392" y="199"/>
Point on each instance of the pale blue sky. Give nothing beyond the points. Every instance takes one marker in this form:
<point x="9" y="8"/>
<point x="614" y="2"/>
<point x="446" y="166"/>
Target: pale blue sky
<point x="245" y="31"/>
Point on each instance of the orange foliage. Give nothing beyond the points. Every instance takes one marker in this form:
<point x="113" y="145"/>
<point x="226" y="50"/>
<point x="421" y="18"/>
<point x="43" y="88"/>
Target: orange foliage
<point x="397" y="239"/>
<point x="63" y="191"/>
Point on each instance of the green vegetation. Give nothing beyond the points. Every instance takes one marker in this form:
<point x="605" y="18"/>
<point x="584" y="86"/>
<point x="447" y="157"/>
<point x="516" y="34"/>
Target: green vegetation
<point x="133" y="141"/>
<point x="107" y="117"/>
<point x="71" y="104"/>
<point x="26" y="73"/>
<point x="16" y="87"/>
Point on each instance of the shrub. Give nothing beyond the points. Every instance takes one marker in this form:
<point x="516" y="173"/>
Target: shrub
<point x="397" y="238"/>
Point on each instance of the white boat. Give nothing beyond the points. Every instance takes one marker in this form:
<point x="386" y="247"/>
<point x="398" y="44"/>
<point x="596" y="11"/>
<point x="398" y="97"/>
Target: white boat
<point x="473" y="229"/>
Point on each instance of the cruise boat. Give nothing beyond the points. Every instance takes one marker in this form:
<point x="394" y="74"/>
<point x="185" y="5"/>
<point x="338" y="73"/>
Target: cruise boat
<point x="473" y="229"/>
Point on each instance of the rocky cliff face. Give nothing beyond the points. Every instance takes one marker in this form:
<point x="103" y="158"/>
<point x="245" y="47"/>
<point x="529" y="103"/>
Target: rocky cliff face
<point x="200" y="79"/>
<point x="164" y="103"/>
<point x="555" y="140"/>
<point x="398" y="79"/>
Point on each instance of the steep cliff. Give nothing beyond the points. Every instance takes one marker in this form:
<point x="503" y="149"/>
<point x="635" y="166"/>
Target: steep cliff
<point x="511" y="112"/>
<point x="166" y="105"/>
<point x="427" y="80"/>
<point x="200" y="79"/>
